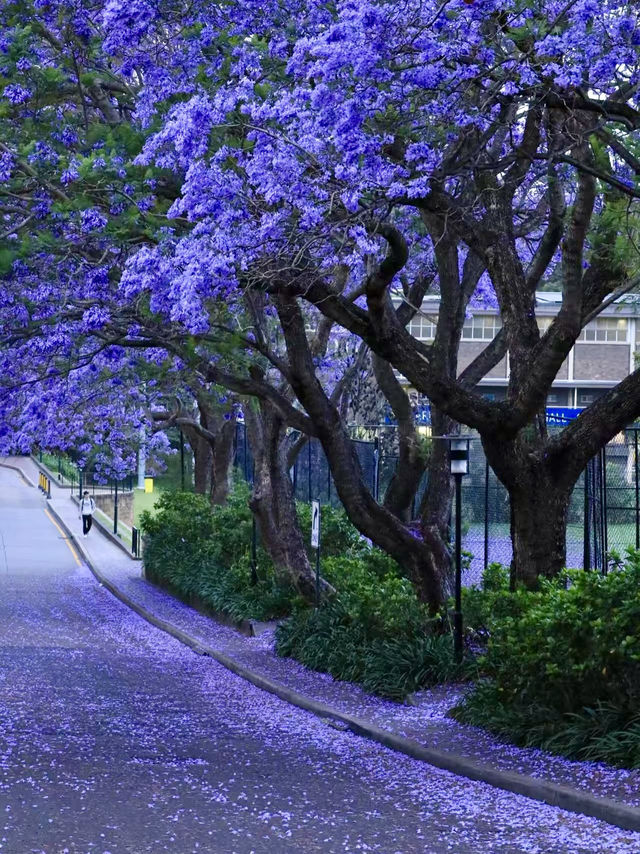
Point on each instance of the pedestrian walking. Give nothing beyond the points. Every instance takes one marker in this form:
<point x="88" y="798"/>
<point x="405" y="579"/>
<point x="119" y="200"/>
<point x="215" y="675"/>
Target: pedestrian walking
<point x="86" y="510"/>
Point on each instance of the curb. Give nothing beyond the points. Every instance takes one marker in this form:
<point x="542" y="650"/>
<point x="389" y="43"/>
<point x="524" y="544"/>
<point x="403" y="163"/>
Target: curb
<point x="49" y="473"/>
<point x="107" y="533"/>
<point x="20" y="471"/>
<point x="553" y="794"/>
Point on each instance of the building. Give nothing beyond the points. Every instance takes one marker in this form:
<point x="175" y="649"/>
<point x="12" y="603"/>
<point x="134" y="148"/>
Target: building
<point x="603" y="354"/>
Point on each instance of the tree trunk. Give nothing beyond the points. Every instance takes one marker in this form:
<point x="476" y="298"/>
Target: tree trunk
<point x="407" y="546"/>
<point x="435" y="509"/>
<point x="201" y="460"/>
<point x="538" y="531"/>
<point x="222" y="461"/>
<point x="273" y="504"/>
<point x="540" y="483"/>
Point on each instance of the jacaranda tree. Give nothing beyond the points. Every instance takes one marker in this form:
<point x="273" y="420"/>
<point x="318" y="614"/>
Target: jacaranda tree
<point x="341" y="159"/>
<point x="499" y="136"/>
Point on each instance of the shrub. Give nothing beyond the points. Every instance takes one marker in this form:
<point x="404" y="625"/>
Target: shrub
<point x="563" y="667"/>
<point x="491" y="601"/>
<point x="203" y="554"/>
<point x="339" y="537"/>
<point x="375" y="632"/>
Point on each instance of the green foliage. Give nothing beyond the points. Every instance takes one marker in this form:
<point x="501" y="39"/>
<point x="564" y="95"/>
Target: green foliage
<point x="332" y="641"/>
<point x="491" y="601"/>
<point x="375" y="632"/>
<point x="563" y="666"/>
<point x="339" y="537"/>
<point x="204" y="555"/>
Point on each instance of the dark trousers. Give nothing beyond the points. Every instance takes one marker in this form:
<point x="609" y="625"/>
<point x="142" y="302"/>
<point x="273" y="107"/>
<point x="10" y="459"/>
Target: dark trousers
<point x="87" y="521"/>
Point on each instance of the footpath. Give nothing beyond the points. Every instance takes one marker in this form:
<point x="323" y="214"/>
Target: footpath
<point x="422" y="729"/>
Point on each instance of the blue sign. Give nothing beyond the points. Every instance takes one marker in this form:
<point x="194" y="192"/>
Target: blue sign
<point x="556" y="415"/>
<point x="562" y="414"/>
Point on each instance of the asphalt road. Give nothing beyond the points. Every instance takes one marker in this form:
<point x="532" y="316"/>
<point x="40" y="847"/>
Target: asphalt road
<point x="115" y="738"/>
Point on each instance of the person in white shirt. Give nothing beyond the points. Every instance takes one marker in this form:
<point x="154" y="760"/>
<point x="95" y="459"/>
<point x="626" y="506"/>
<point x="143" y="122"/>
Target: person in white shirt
<point x="86" y="509"/>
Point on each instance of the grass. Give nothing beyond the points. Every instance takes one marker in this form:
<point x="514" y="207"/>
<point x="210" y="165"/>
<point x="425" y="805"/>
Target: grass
<point x="124" y="531"/>
<point x="619" y="535"/>
<point x="144" y="501"/>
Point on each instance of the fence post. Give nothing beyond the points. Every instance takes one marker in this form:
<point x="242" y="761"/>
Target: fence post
<point x="115" y="508"/>
<point x="309" y="469"/>
<point x="254" y="536"/>
<point x="244" y="445"/>
<point x="376" y="468"/>
<point x="182" y="460"/>
<point x="635" y="446"/>
<point x="486" y="512"/>
<point x="80" y="473"/>
<point x="586" y="544"/>
<point x="605" y="514"/>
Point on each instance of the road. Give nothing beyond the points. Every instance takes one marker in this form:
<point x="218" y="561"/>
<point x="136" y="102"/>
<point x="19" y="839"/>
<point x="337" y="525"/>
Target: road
<point x="115" y="738"/>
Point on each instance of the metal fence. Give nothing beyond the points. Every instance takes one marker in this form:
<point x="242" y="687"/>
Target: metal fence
<point x="604" y="513"/>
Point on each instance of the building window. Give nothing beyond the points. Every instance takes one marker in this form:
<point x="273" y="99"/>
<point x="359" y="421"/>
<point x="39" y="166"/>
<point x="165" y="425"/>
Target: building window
<point x="422" y="328"/>
<point x="606" y="329"/>
<point x="585" y="398"/>
<point x="481" y="328"/>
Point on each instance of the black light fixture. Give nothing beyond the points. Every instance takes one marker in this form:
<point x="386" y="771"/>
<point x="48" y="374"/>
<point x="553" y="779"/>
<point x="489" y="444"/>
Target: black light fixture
<point x="459" y="467"/>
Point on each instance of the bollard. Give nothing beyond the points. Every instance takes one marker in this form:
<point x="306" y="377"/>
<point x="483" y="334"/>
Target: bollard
<point x="135" y="542"/>
<point x="49" y="487"/>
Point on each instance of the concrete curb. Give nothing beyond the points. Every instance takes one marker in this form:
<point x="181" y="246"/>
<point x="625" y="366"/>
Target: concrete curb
<point x="108" y="534"/>
<point x="20" y="471"/>
<point x="554" y="794"/>
<point x="50" y="474"/>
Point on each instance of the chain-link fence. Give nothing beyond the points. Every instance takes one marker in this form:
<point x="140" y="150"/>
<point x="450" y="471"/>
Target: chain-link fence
<point x="604" y="514"/>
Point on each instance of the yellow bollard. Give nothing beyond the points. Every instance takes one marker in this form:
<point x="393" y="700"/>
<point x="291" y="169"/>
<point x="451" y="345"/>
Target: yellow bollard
<point x="148" y="484"/>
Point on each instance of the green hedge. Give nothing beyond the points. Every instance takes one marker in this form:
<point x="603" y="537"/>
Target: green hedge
<point x="205" y="554"/>
<point x="375" y="632"/>
<point x="563" y="666"/>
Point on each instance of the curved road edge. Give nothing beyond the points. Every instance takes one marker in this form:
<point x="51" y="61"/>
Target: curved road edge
<point x="553" y="794"/>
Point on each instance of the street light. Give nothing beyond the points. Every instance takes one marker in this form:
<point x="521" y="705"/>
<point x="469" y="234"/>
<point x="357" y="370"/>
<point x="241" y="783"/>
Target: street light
<point x="459" y="466"/>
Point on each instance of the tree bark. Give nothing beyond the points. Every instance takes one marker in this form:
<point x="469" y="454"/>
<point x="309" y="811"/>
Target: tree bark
<point x="539" y="483"/>
<point x="435" y="508"/>
<point x="538" y="531"/>
<point x="222" y="461"/>
<point x="201" y="460"/>
<point x="273" y="504"/>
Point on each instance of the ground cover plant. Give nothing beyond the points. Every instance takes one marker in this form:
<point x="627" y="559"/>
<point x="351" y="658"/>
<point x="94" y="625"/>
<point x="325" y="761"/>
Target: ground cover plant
<point x="562" y="667"/>
<point x="203" y="553"/>
<point x="373" y="630"/>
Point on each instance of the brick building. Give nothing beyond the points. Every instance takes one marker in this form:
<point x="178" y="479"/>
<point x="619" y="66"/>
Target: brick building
<point x="602" y="356"/>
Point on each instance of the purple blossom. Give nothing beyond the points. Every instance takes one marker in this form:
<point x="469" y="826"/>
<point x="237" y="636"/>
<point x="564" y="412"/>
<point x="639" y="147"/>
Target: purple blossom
<point x="16" y="94"/>
<point x="92" y="220"/>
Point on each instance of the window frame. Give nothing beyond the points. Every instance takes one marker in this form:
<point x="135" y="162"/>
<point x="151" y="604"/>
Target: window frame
<point x="608" y="325"/>
<point x="490" y="323"/>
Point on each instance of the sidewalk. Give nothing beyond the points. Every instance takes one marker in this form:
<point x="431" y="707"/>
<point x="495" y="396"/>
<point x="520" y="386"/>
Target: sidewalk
<point x="422" y="730"/>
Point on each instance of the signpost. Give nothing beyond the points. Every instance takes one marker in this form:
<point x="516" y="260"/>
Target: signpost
<point x="315" y="543"/>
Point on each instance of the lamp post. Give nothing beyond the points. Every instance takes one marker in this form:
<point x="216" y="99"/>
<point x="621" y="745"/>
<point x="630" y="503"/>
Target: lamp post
<point x="459" y="466"/>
